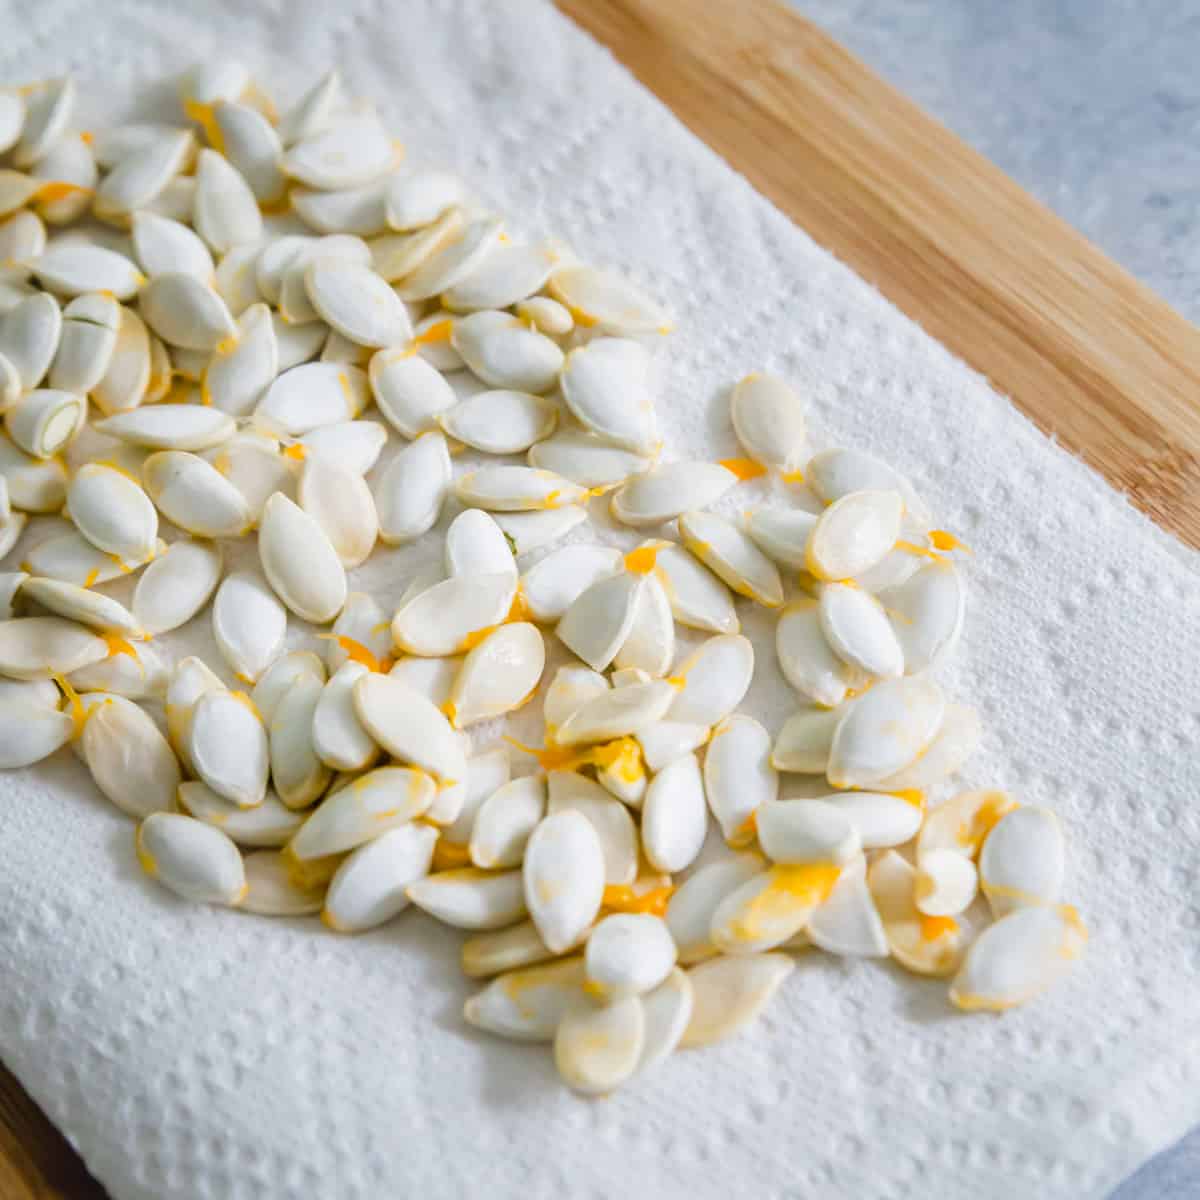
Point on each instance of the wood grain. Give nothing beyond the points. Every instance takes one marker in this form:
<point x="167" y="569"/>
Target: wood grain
<point x="1081" y="347"/>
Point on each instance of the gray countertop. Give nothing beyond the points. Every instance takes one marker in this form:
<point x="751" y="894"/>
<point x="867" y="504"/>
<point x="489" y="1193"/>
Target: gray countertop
<point x="1094" y="107"/>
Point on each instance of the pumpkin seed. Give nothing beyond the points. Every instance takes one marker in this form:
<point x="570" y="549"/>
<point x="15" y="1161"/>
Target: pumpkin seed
<point x="370" y="887"/>
<point x="22" y="241"/>
<point x="314" y="112"/>
<point x="732" y="557"/>
<point x="409" y="727"/>
<point x="674" y="815"/>
<point x="226" y="213"/>
<point x="853" y="534"/>
<point x="665" y="741"/>
<point x="884" y="731"/>
<point x="714" y="679"/>
<point x="527" y="1005"/>
<point x="505" y="821"/>
<point x="358" y="210"/>
<point x="927" y="614"/>
<point x="505" y="353"/>
<point x="31" y="732"/>
<point x="667" y="1012"/>
<point x="249" y="625"/>
<point x="882" y="820"/>
<point x="945" y="883"/>
<point x="141" y="177"/>
<point x="771" y="907"/>
<point x="500" y="422"/>
<point x="498" y="675"/>
<point x="475" y="544"/>
<point x="190" y="680"/>
<point x="508" y="274"/>
<point x="307" y="397"/>
<point x="253" y="464"/>
<point x="227" y="747"/>
<point x="297" y="771"/>
<point x="275" y="682"/>
<point x="528" y="531"/>
<point x="555" y="582"/>
<point x="768" y="419"/>
<point x="192" y="859"/>
<point x="956" y="740"/>
<point x="353" y="445"/>
<point x="1021" y="863"/>
<point x="250" y="143"/>
<point x="586" y="460"/>
<point x="123" y="384"/>
<point x="410" y="493"/>
<point x="86" y="345"/>
<point x="608" y="817"/>
<point x="353" y="150"/>
<point x="12" y="118"/>
<point x="847" y="922"/>
<point x="666" y="492"/>
<point x="299" y="562"/>
<point x="357" y="303"/>
<point x="470" y="898"/>
<point x="48" y="111"/>
<point x="138" y="676"/>
<point x="242" y="368"/>
<point x="963" y="823"/>
<point x="607" y="386"/>
<point x="516" y="489"/>
<point x="599" y="620"/>
<point x="597" y="1048"/>
<point x="129" y="760"/>
<point x="113" y="512"/>
<point x="920" y="944"/>
<point x="563" y="876"/>
<point x="504" y="950"/>
<point x="728" y="993"/>
<point x="453" y="257"/>
<point x="44" y="420"/>
<point x="186" y="312"/>
<point x="415" y="199"/>
<point x="617" y="713"/>
<point x="185" y="427"/>
<point x="269" y="824"/>
<point x="431" y="338"/>
<point x="341" y="504"/>
<point x="29" y="337"/>
<point x="445" y="619"/>
<point x="235" y="279"/>
<point x="738" y="776"/>
<point x="338" y="737"/>
<point x="833" y="474"/>
<point x="272" y="890"/>
<point x="397" y="256"/>
<point x="194" y="495"/>
<point x="806" y="658"/>
<point x="34" y="485"/>
<point x="409" y="391"/>
<point x="858" y="631"/>
<point x="82" y="605"/>
<point x="606" y="301"/>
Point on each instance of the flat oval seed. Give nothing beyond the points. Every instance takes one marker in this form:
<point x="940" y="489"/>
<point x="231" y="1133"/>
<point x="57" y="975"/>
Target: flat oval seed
<point x="29" y="337"/>
<point x="528" y="531"/>
<point x="668" y="1012"/>
<point x="129" y="760"/>
<point x="570" y="689"/>
<point x="475" y="544"/>
<point x="806" y="658"/>
<point x="798" y="832"/>
<point x="500" y="422"/>
<point x="527" y="1005"/>
<point x="738" y="776"/>
<point x="505" y="821"/>
<point x="927" y="614"/>
<point x="665" y="492"/>
<point x="847" y="923"/>
<point x="505" y="353"/>
<point x="597" y="1048"/>
<point x="353" y="445"/>
<point x="271" y="890"/>
<point x="253" y="464"/>
<point x="923" y="945"/>
<point x="297" y="772"/>
<point x="190" y="680"/>
<point x="186" y="312"/>
<point x="956" y="740"/>
<point x="546" y="315"/>
<point x="269" y="824"/>
<point x="338" y="737"/>
<point x="771" y="907"/>
<point x="1022" y="860"/>
<point x="124" y="383"/>
<point x="409" y="391"/>
<point x="383" y="799"/>
<point x="113" y="512"/>
<point x="141" y="675"/>
<point x="605" y="299"/>
<point x="835" y="473"/>
<point x="192" y="859"/>
<point x="87" y="343"/>
<point x="409" y="727"/>
<point x="597" y="623"/>
<point x="858" y="631"/>
<point x="963" y="823"/>
<point x="728" y="993"/>
<point x="665" y="741"/>
<point x="715" y="678"/>
<point x="782" y="533"/>
<point x="194" y="495"/>
<point x="163" y="246"/>
<point x="398" y="256"/>
<point x="83" y="605"/>
<point x="1018" y="957"/>
<point x="252" y="145"/>
<point x="882" y="820"/>
<point x="361" y="632"/>
<point x="235" y="278"/>
<point x="410" y="493"/>
<point x="563" y="878"/>
<point x="885" y="730"/>
<point x="945" y="883"/>
<point x="691" y="907"/>
<point x="275" y="682"/>
<point x="300" y="564"/>
<point x="698" y="598"/>
<point x="48" y="110"/>
<point x="768" y="419"/>
<point x="314" y="111"/>
<point x="34" y="485"/>
<point x="453" y="258"/>
<point x="586" y="460"/>
<point x="732" y="557"/>
<point x="10" y="586"/>
<point x="73" y="268"/>
<point x="650" y="644"/>
<point x="853" y="534"/>
<point x="486" y="772"/>
<point x="505" y="950"/>
<point x="628" y="954"/>
<point x="617" y="713"/>
<point x="69" y="169"/>
<point x="170" y="427"/>
<point x="446" y="618"/>
<point x="341" y="504"/>
<point x="508" y="275"/>
<point x="241" y="369"/>
<point x="470" y="898"/>
<point x="353" y="150"/>
<point x="226" y="213"/>
<point x="516" y="489"/>
<point x="498" y="675"/>
<point x="608" y="817"/>
<point x="141" y="177"/>
<point x="227" y="747"/>
<point x="417" y="198"/>
<point x="370" y="887"/>
<point x="607" y="386"/>
<point x="249" y="625"/>
<point x="358" y="211"/>
<point x="555" y="582"/>
<point x="357" y="303"/>
<point x="674" y="815"/>
<point x="31" y="732"/>
<point x="44" y="420"/>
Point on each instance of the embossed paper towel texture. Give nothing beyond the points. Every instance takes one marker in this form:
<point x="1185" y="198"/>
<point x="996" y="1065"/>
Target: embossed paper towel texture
<point x="205" y="1055"/>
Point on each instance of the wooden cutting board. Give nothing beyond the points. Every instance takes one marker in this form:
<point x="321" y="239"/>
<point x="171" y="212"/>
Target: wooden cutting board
<point x="1082" y="348"/>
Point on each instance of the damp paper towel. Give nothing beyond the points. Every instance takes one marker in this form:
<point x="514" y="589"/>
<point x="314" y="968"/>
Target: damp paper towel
<point x="207" y="1055"/>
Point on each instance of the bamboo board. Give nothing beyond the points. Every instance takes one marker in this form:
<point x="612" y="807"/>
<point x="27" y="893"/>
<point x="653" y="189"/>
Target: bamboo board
<point x="1083" y="349"/>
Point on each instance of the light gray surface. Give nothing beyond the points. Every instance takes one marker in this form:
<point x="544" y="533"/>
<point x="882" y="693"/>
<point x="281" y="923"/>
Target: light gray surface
<point x="1094" y="107"/>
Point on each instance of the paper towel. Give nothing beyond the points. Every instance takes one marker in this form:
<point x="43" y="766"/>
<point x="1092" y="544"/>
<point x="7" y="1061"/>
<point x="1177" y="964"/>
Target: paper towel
<point x="208" y="1055"/>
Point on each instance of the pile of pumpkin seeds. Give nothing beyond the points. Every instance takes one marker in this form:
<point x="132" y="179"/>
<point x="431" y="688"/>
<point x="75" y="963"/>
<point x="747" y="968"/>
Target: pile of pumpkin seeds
<point x="193" y="365"/>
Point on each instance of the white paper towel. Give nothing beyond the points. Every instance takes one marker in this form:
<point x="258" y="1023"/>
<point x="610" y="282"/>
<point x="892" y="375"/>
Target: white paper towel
<point x="207" y="1055"/>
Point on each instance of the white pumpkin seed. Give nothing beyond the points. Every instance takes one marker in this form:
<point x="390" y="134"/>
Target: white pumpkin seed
<point x="86" y="344"/>
<point x="251" y="144"/>
<point x="586" y="460"/>
<point x="242" y="368"/>
<point x="508" y="274"/>
<point x="498" y="675"/>
<point x="882" y="820"/>
<point x="768" y="418"/>
<point x="170" y="427"/>
<point x="528" y="531"/>
<point x="117" y="142"/>
<point x="504" y="950"/>
<point x="516" y="489"/>
<point x="431" y="339"/>
<point x="113" y="512"/>
<point x="800" y="832"/>
<point x="186" y="312"/>
<point x="771" y="907"/>
<point x="210" y="80"/>
<point x="298" y="343"/>
<point x="446" y="618"/>
<point x="563" y="876"/>
<point x="610" y="819"/>
<point x="253" y="464"/>
<point x="570" y="689"/>
<point x="192" y="859"/>
<point x="956" y="740"/>
<point x="453" y="258"/>
<point x="313" y="112"/>
<point x="607" y="386"/>
<point x="177" y="200"/>
<point x="597" y="1048"/>
<point x="140" y="177"/>
<point x="715" y="678"/>
<point x="415" y="199"/>
<point x="924" y="945"/>
<point x="853" y="534"/>
<point x="298" y="773"/>
<point x="475" y="544"/>
<point x="163" y="246"/>
<point x="833" y="474"/>
<point x="505" y="821"/>
<point x="34" y="485"/>
<point x="409" y="391"/>
<point x="698" y="598"/>
<point x="1018" y="957"/>
<point x="945" y="883"/>
<point x="470" y="898"/>
<point x="728" y="993"/>
<point x="650" y="644"/>
<point x="926" y="612"/>
<point x="486" y="772"/>
<point x="235" y="279"/>
<point x="269" y="824"/>
<point x="500" y="422"/>
<point x="29" y="337"/>
<point x="599" y="620"/>
<point x="552" y="584"/>
<point x="527" y="1005"/>
<point x="674" y="815"/>
<point x="225" y="211"/>
<point x="139" y="675"/>
<point x="271" y="890"/>
<point x="847" y="923"/>
<point x="738" y="776"/>
<point x="353" y="150"/>
<point x="963" y="823"/>
<point x="83" y="605"/>
<point x="358" y="211"/>
<point x="617" y="713"/>
<point x="858" y="631"/>
<point x="884" y="731"/>
<point x="667" y="1012"/>
<point x="412" y="489"/>
<point x="505" y="353"/>
<point x="338" y="737"/>
<point x="409" y="727"/>
<point x="665" y="492"/>
<point x="357" y="303"/>
<point x="397" y="256"/>
<point x="341" y="504"/>
<point x="129" y="760"/>
<point x="74" y="268"/>
<point x="691" y="907"/>
<point x="275" y="682"/>
<point x="194" y="495"/>
<point x="665" y="741"/>
<point x="361" y="632"/>
<point x="190" y="680"/>
<point x="603" y="299"/>
<point x="227" y="747"/>
<point x="48" y="110"/>
<point x="1021" y="863"/>
<point x="123" y="384"/>
<point x="370" y="887"/>
<point x="299" y="562"/>
<point x="546" y="315"/>
<point x="806" y="658"/>
<point x="44" y="420"/>
<point x="732" y="556"/>
<point x="22" y="241"/>
<point x="306" y="397"/>
<point x="782" y="532"/>
<point x="353" y="445"/>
